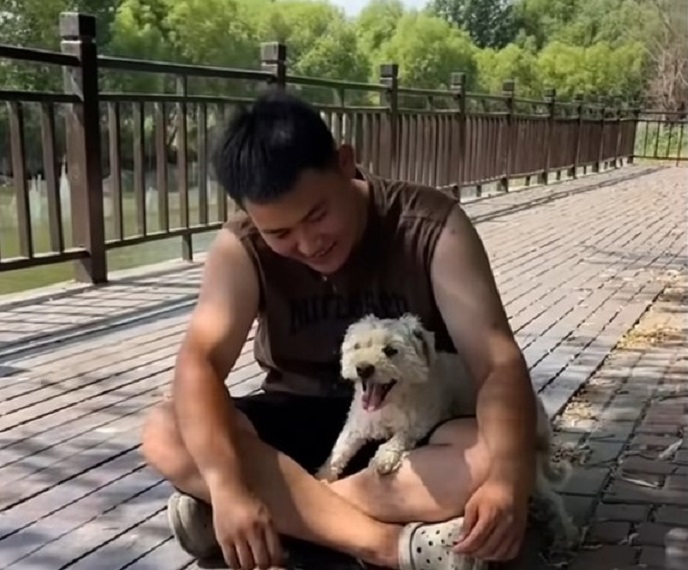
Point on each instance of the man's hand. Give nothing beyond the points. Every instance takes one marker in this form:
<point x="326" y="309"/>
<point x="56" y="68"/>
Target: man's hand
<point x="494" y="521"/>
<point x="244" y="529"/>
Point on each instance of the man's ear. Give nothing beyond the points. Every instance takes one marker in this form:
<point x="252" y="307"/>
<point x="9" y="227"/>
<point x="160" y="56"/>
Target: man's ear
<point x="346" y="157"/>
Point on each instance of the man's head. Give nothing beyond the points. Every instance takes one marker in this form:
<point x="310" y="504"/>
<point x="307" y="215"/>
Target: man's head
<point x="278" y="160"/>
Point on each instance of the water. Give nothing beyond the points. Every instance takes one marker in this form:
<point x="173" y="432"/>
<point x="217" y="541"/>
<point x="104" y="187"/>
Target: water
<point x="118" y="258"/>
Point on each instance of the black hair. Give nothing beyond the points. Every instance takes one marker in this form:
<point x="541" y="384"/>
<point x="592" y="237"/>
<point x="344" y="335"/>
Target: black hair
<point x="268" y="144"/>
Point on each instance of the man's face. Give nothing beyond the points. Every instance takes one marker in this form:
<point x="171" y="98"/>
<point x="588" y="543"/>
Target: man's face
<point x="314" y="223"/>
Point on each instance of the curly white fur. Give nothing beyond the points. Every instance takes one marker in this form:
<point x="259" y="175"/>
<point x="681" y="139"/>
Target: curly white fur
<point x="396" y="360"/>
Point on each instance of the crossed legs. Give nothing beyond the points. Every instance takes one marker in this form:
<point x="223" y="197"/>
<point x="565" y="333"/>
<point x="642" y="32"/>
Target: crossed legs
<point x="361" y="514"/>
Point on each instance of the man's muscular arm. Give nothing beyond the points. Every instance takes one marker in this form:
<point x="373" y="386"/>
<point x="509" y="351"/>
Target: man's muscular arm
<point x="470" y="304"/>
<point x="226" y="308"/>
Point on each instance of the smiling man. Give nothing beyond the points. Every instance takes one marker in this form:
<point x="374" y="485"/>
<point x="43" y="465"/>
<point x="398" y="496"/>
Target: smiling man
<point x="319" y="244"/>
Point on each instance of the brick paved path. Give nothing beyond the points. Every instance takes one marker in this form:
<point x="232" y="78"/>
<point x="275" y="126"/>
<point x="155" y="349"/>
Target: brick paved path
<point x="576" y="263"/>
<point x="628" y="427"/>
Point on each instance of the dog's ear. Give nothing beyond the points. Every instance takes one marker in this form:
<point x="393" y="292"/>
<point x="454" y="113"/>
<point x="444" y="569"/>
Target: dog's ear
<point x="417" y="330"/>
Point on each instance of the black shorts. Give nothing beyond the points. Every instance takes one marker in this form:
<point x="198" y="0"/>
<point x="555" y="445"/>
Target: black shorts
<point x="303" y="427"/>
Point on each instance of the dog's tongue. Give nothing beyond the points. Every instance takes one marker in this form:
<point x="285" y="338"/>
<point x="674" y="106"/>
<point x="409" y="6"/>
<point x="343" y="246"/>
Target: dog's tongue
<point x="373" y="396"/>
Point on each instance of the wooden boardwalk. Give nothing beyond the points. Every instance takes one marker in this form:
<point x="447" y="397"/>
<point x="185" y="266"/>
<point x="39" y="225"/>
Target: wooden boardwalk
<point x="577" y="264"/>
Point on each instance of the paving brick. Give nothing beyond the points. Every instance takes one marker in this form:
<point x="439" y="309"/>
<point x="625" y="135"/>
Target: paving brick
<point x="586" y="481"/>
<point x="650" y="442"/>
<point x="625" y="407"/>
<point x="677" y="482"/>
<point x="613" y="430"/>
<point x="674" y="516"/>
<point x="652" y="557"/>
<point x="626" y="492"/>
<point x="609" y="532"/>
<point x="604" y="452"/>
<point x="634" y="464"/>
<point x="621" y="512"/>
<point x="605" y="557"/>
<point x="651" y="534"/>
<point x="660" y="429"/>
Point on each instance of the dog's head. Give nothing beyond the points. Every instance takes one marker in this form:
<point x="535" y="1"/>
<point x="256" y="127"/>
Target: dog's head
<point x="380" y="354"/>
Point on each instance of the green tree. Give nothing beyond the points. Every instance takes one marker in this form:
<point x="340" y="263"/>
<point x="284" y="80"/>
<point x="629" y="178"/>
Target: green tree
<point x="35" y="23"/>
<point x="490" y="23"/>
<point x="376" y="23"/>
<point x="428" y="50"/>
<point x="598" y="70"/>
<point x="511" y="62"/>
<point x="320" y="42"/>
<point x="140" y="31"/>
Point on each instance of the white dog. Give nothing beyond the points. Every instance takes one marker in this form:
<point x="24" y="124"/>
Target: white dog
<point x="403" y="389"/>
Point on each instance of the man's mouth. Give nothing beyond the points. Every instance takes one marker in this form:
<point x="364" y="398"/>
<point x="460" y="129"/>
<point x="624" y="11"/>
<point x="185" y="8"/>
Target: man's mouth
<point x="322" y="253"/>
<point x="374" y="394"/>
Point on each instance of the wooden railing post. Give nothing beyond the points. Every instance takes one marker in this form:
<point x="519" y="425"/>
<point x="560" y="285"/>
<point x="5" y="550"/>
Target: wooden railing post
<point x="508" y="91"/>
<point x="458" y="164"/>
<point x="389" y="77"/>
<point x="636" y="121"/>
<point x="600" y="145"/>
<point x="618" y="109"/>
<point x="182" y="87"/>
<point x="273" y="60"/>
<point x="550" y="99"/>
<point x="578" y="99"/>
<point x="84" y="168"/>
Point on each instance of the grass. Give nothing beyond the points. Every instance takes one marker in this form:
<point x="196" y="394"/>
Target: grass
<point x="118" y="258"/>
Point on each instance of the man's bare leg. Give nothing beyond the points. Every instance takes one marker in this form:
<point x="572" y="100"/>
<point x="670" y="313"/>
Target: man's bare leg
<point x="422" y="489"/>
<point x="302" y="506"/>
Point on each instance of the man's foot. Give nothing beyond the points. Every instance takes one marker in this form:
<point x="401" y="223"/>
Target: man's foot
<point x="428" y="546"/>
<point x="191" y="522"/>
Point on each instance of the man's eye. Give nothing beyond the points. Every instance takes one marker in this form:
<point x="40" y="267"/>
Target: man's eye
<point x="317" y="217"/>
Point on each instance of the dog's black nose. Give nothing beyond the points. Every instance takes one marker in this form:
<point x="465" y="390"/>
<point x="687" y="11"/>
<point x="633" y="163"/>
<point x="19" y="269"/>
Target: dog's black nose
<point x="365" y="371"/>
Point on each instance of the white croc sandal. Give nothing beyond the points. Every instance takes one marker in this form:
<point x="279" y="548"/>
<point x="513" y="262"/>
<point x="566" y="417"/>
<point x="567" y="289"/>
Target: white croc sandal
<point x="428" y="546"/>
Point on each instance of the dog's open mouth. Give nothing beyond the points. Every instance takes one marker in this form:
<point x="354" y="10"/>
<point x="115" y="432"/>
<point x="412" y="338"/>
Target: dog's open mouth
<point x="374" y="394"/>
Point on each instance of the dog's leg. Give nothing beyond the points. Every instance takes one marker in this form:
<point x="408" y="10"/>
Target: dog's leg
<point x="347" y="445"/>
<point x="390" y="454"/>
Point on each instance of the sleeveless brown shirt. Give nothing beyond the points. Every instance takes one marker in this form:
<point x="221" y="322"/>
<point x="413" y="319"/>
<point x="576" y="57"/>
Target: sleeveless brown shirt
<point x="303" y="315"/>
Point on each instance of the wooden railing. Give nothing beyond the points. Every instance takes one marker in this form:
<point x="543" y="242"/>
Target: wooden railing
<point x="451" y="138"/>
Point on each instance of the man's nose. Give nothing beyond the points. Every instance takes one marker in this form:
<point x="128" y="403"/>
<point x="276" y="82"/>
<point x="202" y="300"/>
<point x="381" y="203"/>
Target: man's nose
<point x="307" y="245"/>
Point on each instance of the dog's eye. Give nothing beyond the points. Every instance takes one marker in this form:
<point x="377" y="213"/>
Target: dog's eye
<point x="390" y="351"/>
<point x="357" y="346"/>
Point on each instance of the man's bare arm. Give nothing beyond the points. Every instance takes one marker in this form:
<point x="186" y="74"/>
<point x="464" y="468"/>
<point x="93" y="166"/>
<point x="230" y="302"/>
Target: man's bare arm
<point x="469" y="301"/>
<point x="226" y="308"/>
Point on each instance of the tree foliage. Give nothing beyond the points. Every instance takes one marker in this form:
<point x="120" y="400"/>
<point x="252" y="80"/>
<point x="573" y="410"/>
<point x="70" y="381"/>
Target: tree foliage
<point x="634" y="49"/>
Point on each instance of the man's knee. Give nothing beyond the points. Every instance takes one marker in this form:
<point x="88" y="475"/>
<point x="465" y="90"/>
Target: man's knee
<point x="161" y="443"/>
<point x="462" y="433"/>
<point x="465" y="446"/>
<point x="162" y="446"/>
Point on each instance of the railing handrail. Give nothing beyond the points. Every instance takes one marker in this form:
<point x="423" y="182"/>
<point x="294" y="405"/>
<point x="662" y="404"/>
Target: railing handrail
<point x="37" y="55"/>
<point x="447" y="137"/>
<point x="183" y="69"/>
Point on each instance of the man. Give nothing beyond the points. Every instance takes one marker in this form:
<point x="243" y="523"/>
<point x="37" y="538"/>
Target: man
<point x="319" y="244"/>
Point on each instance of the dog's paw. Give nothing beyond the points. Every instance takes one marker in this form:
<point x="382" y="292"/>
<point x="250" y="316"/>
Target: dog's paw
<point x="386" y="460"/>
<point x="327" y="473"/>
